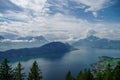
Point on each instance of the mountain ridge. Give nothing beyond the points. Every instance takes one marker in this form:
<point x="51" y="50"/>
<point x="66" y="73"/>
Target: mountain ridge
<point x="96" y="42"/>
<point x="32" y="37"/>
<point x="51" y="48"/>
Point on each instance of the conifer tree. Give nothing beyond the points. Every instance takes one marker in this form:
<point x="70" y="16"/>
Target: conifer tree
<point x="99" y="75"/>
<point x="108" y="73"/>
<point x="69" y="76"/>
<point x="6" y="72"/>
<point x="18" y="72"/>
<point x="80" y="76"/>
<point x="88" y="75"/>
<point x="35" y="73"/>
<point x="116" y="71"/>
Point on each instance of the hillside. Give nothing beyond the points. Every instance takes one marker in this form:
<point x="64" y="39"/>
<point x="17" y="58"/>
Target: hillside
<point x="49" y="49"/>
<point x="104" y="61"/>
<point x="96" y="42"/>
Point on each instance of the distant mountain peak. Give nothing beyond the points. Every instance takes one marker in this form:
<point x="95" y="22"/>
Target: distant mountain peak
<point x="91" y="33"/>
<point x="39" y="38"/>
<point x="92" y="37"/>
<point x="96" y="42"/>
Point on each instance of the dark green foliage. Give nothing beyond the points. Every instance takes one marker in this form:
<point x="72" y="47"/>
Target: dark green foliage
<point x="35" y="73"/>
<point x="18" y="72"/>
<point x="80" y="76"/>
<point x="86" y="75"/>
<point x="108" y="73"/>
<point x="69" y="76"/>
<point x="6" y="72"/>
<point x="116" y="75"/>
<point x="99" y="75"/>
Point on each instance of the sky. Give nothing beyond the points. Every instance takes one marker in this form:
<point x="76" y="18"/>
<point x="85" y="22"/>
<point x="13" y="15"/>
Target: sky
<point x="60" y="19"/>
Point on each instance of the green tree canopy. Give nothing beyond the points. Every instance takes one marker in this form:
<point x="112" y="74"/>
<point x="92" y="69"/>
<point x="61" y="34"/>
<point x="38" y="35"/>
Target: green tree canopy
<point x="116" y="75"/>
<point x="6" y="72"/>
<point x="108" y="73"/>
<point x="35" y="73"/>
<point x="80" y="76"/>
<point x="99" y="75"/>
<point x="69" y="76"/>
<point x="18" y="72"/>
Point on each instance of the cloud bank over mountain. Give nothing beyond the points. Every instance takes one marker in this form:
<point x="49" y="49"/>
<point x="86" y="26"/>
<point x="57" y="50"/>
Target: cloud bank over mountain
<point x="58" y="19"/>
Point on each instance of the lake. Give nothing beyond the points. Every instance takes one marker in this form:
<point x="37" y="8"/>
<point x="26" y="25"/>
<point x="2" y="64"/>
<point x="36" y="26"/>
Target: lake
<point x="56" y="69"/>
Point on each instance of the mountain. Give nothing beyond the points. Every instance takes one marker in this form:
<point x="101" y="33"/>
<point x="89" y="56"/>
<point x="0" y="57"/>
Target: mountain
<point x="8" y="35"/>
<point x="38" y="38"/>
<point x="96" y="42"/>
<point x="1" y="37"/>
<point x="54" y="49"/>
<point x="23" y="42"/>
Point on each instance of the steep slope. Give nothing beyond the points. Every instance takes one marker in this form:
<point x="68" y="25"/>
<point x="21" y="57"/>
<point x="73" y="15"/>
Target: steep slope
<point x="49" y="49"/>
<point x="96" y="42"/>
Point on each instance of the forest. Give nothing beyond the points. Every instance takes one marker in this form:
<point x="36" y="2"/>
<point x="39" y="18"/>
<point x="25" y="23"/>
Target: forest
<point x="110" y="73"/>
<point x="17" y="73"/>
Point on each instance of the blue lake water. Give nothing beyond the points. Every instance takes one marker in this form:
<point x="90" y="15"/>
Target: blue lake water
<point x="56" y="69"/>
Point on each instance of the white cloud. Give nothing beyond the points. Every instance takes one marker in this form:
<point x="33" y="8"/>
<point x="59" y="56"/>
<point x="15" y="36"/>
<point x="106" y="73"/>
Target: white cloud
<point x="16" y="41"/>
<point x="94" y="14"/>
<point x="92" y="6"/>
<point x="35" y="5"/>
<point x="1" y="15"/>
<point x="95" y="5"/>
<point x="58" y="26"/>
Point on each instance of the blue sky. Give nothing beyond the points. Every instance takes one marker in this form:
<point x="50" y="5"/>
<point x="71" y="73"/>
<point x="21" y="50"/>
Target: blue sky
<point x="61" y="19"/>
